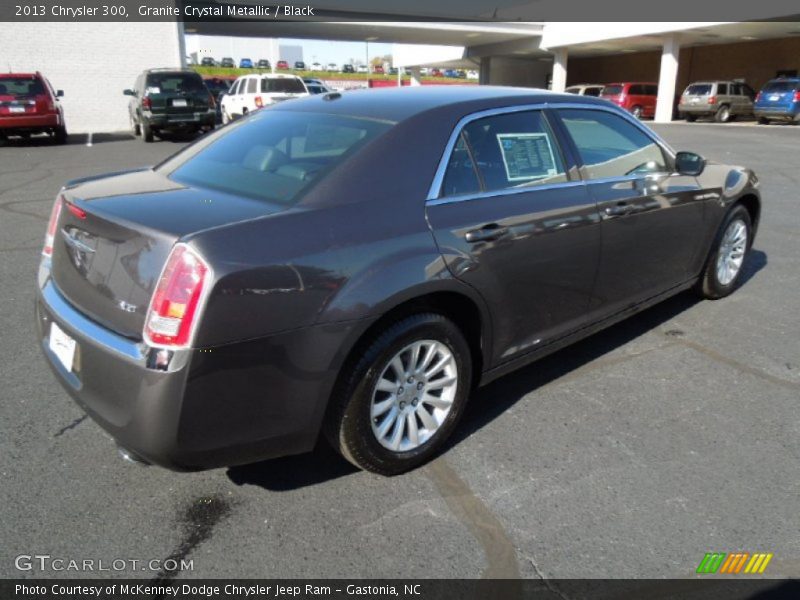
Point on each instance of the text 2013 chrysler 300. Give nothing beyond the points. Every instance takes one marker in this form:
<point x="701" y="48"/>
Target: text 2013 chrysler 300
<point x="277" y="279"/>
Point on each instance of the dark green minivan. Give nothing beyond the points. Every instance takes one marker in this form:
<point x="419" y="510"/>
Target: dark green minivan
<point x="170" y="100"/>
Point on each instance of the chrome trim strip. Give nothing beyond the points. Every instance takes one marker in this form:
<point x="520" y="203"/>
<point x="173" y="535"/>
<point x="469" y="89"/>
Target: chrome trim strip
<point x="438" y="179"/>
<point x="66" y="314"/>
<point x="504" y="192"/>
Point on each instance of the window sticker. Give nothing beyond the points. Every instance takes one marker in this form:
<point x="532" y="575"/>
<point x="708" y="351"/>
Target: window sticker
<point x="153" y="90"/>
<point x="527" y="156"/>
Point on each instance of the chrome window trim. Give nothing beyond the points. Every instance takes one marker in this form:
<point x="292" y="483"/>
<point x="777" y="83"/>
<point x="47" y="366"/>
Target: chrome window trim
<point x="434" y="192"/>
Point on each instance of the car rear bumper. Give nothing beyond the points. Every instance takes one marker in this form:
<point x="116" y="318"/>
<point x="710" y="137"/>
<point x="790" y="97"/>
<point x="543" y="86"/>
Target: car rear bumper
<point x="29" y="122"/>
<point x="182" y="121"/>
<point x="211" y="407"/>
<point x="777" y="113"/>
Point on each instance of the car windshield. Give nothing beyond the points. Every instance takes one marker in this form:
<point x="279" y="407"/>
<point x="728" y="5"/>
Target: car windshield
<point x="282" y="86"/>
<point x="21" y="87"/>
<point x="698" y="89"/>
<point x="275" y="156"/>
<point x="781" y="86"/>
<point x="612" y="90"/>
<point x="173" y="83"/>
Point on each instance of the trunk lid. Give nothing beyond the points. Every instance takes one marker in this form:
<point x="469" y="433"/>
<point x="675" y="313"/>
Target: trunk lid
<point x="114" y="236"/>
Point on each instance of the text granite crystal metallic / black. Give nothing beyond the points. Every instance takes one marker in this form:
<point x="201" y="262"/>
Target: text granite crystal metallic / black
<point x="354" y="264"/>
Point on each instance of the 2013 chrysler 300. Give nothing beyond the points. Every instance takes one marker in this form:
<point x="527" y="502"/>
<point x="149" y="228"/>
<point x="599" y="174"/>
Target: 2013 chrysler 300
<point x="355" y="263"/>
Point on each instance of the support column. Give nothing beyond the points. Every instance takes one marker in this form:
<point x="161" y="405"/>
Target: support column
<point x="485" y="71"/>
<point x="415" y="76"/>
<point x="667" y="78"/>
<point x="559" y="83"/>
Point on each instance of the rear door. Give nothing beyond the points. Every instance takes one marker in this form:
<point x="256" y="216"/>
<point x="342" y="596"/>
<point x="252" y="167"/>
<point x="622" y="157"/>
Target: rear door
<point x="512" y="223"/>
<point x="652" y="218"/>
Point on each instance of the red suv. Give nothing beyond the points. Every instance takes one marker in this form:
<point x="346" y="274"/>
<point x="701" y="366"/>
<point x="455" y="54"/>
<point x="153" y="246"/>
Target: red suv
<point x="639" y="99"/>
<point x="29" y="105"/>
<point x="283" y="65"/>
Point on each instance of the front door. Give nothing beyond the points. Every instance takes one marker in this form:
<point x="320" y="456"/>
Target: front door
<point x="652" y="218"/>
<point x="512" y="224"/>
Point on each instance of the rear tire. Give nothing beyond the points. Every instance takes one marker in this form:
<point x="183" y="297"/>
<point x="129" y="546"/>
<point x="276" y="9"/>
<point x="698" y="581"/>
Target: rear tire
<point x="763" y="121"/>
<point x="723" y="114"/>
<point x="691" y="118"/>
<point x="147" y="132"/>
<point x="401" y="396"/>
<point x="725" y="264"/>
<point x="60" y="135"/>
<point x="135" y="129"/>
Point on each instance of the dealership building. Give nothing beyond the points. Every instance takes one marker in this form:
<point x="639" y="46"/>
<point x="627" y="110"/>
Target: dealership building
<point x="93" y="62"/>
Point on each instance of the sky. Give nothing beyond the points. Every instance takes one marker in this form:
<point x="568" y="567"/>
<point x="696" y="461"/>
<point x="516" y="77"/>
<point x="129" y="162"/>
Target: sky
<point x="337" y="52"/>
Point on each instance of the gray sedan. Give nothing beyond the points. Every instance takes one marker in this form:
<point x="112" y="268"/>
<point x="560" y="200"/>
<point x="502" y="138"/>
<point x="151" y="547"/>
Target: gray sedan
<point x="278" y="280"/>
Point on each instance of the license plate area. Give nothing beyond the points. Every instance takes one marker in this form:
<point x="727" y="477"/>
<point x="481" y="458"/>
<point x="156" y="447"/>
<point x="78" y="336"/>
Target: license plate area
<point x="63" y="346"/>
<point x="16" y="109"/>
<point x="179" y="103"/>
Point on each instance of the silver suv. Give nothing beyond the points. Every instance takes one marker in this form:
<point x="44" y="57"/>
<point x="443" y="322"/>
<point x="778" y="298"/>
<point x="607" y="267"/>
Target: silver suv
<point x="723" y="100"/>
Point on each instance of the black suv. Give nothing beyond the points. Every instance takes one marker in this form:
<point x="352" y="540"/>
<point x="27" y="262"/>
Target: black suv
<point x="228" y="63"/>
<point x="263" y="64"/>
<point x="169" y="100"/>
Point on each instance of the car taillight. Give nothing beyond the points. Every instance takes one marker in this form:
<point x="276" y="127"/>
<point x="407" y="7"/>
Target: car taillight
<point x="172" y="316"/>
<point x="758" y="96"/>
<point x="259" y="102"/>
<point x="147" y="103"/>
<point x="712" y="99"/>
<point x="51" y="227"/>
<point x="796" y="96"/>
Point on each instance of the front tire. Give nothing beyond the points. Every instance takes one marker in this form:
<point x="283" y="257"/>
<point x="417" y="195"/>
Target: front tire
<point x="723" y="271"/>
<point x="723" y="114"/>
<point x="402" y="396"/>
<point x="60" y="135"/>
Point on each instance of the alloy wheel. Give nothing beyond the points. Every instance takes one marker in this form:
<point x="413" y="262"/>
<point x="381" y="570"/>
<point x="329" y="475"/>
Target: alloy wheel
<point x="413" y="395"/>
<point x="731" y="251"/>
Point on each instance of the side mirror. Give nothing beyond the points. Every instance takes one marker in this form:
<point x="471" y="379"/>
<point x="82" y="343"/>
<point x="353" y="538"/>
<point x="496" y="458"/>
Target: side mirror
<point x="689" y="163"/>
<point x="59" y="93"/>
<point x="129" y="92"/>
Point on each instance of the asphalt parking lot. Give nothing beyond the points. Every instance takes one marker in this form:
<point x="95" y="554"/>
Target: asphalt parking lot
<point x="631" y="454"/>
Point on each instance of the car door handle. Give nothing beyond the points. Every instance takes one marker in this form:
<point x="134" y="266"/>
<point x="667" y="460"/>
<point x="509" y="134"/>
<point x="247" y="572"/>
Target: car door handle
<point x="487" y="233"/>
<point x="618" y="210"/>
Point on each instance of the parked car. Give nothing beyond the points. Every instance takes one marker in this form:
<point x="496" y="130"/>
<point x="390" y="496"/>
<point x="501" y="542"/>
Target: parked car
<point x="251" y="92"/>
<point x="779" y="100"/>
<point x="472" y="74"/>
<point x="227" y="62"/>
<point x="348" y="69"/>
<point x="451" y="73"/>
<point x="169" y="100"/>
<point x="245" y="63"/>
<point x="378" y="69"/>
<point x="207" y="61"/>
<point x="250" y="292"/>
<point x="639" y="99"/>
<point x="436" y="73"/>
<point x="722" y="100"/>
<point x="282" y="65"/>
<point x="264" y="64"/>
<point x="393" y="71"/>
<point x="316" y="66"/>
<point x="299" y="65"/>
<point x="362" y="69"/>
<point x="315" y="86"/>
<point x="332" y="67"/>
<point x="585" y="89"/>
<point x="30" y="105"/>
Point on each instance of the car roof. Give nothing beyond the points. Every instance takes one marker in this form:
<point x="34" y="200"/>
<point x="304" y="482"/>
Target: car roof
<point x="397" y="104"/>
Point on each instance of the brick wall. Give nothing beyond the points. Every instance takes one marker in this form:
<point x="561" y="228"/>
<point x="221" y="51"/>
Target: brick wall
<point x="91" y="62"/>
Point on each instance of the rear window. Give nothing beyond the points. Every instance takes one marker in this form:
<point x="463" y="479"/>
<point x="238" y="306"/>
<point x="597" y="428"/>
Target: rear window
<point x="173" y="83"/>
<point x="698" y="89"/>
<point x="21" y="87"/>
<point x="282" y="86"/>
<point x="272" y="155"/>
<point x="781" y="86"/>
<point x="592" y="91"/>
<point x="612" y="90"/>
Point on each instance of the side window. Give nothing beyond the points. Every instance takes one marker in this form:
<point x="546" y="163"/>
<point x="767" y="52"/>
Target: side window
<point x="460" y="176"/>
<point x="651" y="90"/>
<point x="592" y="91"/>
<point x="636" y="90"/>
<point x="736" y="89"/>
<point x="748" y="91"/>
<point x="610" y="146"/>
<point x="722" y="89"/>
<point x="251" y="85"/>
<point x="514" y="150"/>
